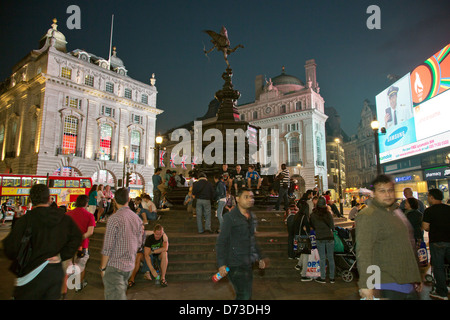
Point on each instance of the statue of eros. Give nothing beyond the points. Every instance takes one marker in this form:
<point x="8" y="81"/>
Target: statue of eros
<point x="221" y="43"/>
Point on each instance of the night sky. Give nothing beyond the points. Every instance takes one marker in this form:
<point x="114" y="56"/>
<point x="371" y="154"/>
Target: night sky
<point x="167" y="38"/>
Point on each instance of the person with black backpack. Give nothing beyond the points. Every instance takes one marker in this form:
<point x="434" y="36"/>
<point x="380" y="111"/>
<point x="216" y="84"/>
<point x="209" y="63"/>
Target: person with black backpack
<point x="37" y="244"/>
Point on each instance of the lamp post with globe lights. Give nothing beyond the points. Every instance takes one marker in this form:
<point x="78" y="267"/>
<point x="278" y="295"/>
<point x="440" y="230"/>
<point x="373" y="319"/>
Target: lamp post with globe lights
<point x="341" y="204"/>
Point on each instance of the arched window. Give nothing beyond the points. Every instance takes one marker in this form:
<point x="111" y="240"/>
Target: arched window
<point x="136" y="179"/>
<point x="70" y="133"/>
<point x="105" y="142"/>
<point x="103" y="177"/>
<point x="135" y="143"/>
<point x="66" y="172"/>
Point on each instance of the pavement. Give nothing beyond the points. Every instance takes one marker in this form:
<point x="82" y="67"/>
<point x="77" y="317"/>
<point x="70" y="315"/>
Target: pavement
<point x="290" y="289"/>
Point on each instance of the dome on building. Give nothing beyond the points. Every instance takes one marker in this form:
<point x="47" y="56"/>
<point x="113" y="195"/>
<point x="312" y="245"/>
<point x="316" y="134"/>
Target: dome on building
<point x="115" y="60"/>
<point x="54" y="35"/>
<point x="284" y="78"/>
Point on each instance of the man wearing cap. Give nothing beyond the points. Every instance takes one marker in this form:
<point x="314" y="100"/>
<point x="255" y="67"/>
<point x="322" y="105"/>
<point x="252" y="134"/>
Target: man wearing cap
<point x="395" y="115"/>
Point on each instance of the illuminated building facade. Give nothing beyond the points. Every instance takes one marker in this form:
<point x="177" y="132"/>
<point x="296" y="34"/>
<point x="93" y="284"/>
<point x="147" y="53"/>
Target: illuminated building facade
<point x="75" y="113"/>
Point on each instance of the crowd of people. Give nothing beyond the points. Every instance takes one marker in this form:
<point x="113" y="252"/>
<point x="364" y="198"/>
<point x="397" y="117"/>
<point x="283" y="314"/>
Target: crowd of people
<point x="60" y="244"/>
<point x="388" y="236"/>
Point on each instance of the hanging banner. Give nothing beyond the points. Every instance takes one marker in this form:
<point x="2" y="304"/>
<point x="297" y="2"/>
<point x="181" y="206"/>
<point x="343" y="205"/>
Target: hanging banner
<point x="183" y="162"/>
<point x="172" y="160"/>
<point x="161" y="158"/>
<point x="193" y="164"/>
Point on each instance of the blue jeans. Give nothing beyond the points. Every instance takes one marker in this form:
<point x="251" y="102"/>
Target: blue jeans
<point x="220" y="206"/>
<point x="326" y="251"/>
<point x="439" y="252"/>
<point x="203" y="208"/>
<point x="282" y="194"/>
<point x="148" y="214"/>
<point x="242" y="280"/>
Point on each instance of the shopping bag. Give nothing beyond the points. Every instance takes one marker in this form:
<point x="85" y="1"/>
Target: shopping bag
<point x="313" y="269"/>
<point x="422" y="254"/>
<point x="338" y="244"/>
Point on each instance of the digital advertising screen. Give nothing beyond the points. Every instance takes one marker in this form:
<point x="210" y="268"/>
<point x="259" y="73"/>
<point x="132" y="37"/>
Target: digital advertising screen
<point x="415" y="110"/>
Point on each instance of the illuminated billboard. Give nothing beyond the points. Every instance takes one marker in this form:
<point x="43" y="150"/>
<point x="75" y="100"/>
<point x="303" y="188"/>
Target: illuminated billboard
<point x="432" y="77"/>
<point x="414" y="110"/>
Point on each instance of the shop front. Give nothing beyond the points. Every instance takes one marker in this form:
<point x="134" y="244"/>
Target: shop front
<point x="414" y="180"/>
<point x="438" y="178"/>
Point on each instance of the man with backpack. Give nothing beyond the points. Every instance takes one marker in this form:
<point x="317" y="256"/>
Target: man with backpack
<point x="55" y="237"/>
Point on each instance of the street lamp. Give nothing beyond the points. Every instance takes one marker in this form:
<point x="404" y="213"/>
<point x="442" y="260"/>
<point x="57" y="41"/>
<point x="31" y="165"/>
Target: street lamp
<point x="158" y="140"/>
<point x="341" y="205"/>
<point x="124" y="164"/>
<point x="375" y="126"/>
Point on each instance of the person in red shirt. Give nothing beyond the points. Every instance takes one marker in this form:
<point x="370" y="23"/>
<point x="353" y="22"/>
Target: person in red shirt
<point x="86" y="223"/>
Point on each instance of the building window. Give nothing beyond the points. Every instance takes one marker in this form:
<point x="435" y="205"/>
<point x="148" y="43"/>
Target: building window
<point x="294" y="150"/>
<point x="73" y="102"/>
<point x="70" y="133"/>
<point x="103" y="177"/>
<point x="110" y="87"/>
<point x="89" y="80"/>
<point x="298" y="106"/>
<point x="242" y="117"/>
<point x="137" y="119"/>
<point x="135" y="143"/>
<point x="144" y="99"/>
<point x="67" y="172"/>
<point x="319" y="148"/>
<point x="127" y="93"/>
<point x="108" y="111"/>
<point x="293" y="127"/>
<point x="66" y="73"/>
<point x="105" y="141"/>
<point x="283" y="109"/>
<point x="255" y="115"/>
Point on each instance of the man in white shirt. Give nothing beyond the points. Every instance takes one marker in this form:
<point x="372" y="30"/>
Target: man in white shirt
<point x="396" y="114"/>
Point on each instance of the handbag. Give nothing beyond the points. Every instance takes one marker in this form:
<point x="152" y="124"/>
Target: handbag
<point x="303" y="242"/>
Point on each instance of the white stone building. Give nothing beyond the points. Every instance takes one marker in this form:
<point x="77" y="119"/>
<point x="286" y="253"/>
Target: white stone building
<point x="297" y="111"/>
<point x="76" y="113"/>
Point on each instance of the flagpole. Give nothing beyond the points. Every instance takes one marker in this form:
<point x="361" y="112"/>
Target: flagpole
<point x="110" y="41"/>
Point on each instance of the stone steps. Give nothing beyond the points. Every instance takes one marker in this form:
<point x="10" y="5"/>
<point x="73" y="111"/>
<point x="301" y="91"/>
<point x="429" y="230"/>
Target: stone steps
<point x="192" y="257"/>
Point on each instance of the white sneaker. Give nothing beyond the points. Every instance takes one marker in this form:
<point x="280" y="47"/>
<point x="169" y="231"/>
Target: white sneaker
<point x="433" y="294"/>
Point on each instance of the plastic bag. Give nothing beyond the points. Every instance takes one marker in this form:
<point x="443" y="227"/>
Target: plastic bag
<point x="313" y="269"/>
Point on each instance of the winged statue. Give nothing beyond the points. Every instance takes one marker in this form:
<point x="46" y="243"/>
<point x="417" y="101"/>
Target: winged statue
<point x="221" y="42"/>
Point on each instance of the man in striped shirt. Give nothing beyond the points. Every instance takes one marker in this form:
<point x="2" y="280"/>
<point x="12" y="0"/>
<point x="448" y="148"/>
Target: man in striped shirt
<point x="123" y="237"/>
<point x="284" y="177"/>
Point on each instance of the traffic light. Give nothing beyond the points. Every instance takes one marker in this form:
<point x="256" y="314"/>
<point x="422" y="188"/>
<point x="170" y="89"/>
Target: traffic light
<point x="317" y="181"/>
<point x="128" y="181"/>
